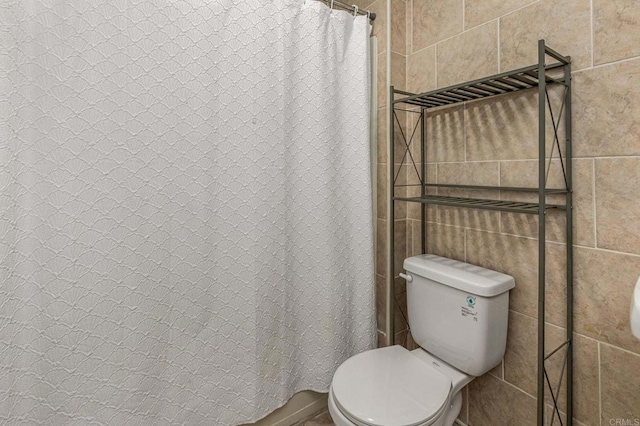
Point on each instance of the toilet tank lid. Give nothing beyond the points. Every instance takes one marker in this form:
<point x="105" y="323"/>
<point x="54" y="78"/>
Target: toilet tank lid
<point x="460" y="275"/>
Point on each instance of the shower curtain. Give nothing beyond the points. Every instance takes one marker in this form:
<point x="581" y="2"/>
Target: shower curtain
<point x="186" y="224"/>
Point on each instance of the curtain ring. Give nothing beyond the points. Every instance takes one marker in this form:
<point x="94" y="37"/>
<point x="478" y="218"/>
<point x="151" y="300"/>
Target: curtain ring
<point x="355" y="10"/>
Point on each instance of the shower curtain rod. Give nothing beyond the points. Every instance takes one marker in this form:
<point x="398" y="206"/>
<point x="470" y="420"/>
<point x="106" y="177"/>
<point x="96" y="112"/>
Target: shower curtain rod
<point x="351" y="8"/>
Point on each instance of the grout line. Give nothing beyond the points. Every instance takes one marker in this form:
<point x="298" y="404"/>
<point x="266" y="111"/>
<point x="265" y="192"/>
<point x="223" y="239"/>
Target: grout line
<point x="435" y="62"/>
<point x="595" y="211"/>
<point x="619" y="348"/>
<point x="634" y="58"/>
<point x="522" y="7"/>
<point x="484" y="23"/>
<point x="411" y="27"/>
<point x="467" y="404"/>
<point x="464" y="130"/>
<point x="592" y="37"/>
<point x="599" y="386"/>
<point x="499" y="46"/>
<point x="500" y="197"/>
<point x="464" y="237"/>
<point x="516" y="388"/>
<point x="463" y="6"/>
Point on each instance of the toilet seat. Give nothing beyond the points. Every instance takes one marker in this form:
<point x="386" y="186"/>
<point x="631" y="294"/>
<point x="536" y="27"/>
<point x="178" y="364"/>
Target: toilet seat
<point x="390" y="387"/>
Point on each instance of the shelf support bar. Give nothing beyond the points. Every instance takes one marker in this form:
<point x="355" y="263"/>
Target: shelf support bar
<point x="541" y="229"/>
<point x="389" y="326"/>
<point x="569" y="233"/>
<point x="423" y="207"/>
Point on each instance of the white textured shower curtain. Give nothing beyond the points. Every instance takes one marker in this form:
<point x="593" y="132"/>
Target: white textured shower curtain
<point x="186" y="225"/>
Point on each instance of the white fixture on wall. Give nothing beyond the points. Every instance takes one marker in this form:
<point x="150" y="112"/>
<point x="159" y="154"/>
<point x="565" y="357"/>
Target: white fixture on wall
<point x="635" y="311"/>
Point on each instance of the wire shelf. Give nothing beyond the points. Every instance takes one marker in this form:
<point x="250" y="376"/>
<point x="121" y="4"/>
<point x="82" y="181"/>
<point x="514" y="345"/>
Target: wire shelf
<point x="495" y="85"/>
<point x="481" y="203"/>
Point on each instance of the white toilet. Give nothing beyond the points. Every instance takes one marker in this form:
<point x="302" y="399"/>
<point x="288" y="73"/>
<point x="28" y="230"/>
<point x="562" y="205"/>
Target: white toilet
<point x="458" y="315"/>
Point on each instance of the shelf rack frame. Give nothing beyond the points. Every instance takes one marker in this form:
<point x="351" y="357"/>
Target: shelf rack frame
<point x="540" y="76"/>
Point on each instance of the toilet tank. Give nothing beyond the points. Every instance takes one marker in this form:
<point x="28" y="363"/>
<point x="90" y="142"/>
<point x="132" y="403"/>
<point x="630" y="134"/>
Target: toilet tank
<point x="458" y="312"/>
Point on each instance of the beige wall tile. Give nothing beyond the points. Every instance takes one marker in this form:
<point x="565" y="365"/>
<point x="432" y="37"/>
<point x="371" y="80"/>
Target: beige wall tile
<point x="445" y="134"/>
<point x="604" y="282"/>
<point x="400" y="208"/>
<point x="399" y="27"/>
<point x="520" y="364"/>
<point x="421" y="70"/>
<point x="583" y="203"/>
<point x="413" y="129"/>
<point x="414" y="210"/>
<point x="381" y="136"/>
<point x="476" y="173"/>
<point x="381" y="192"/>
<point x="618" y="204"/>
<point x="399" y="285"/>
<point x="506" y="127"/>
<point x="616" y="30"/>
<point x="493" y="402"/>
<point x="401" y="190"/>
<point x="518" y="257"/>
<point x="470" y="55"/>
<point x="379" y="7"/>
<point x="607" y="111"/>
<point x="446" y="241"/>
<point x="478" y="12"/>
<point x="400" y="311"/>
<point x="398" y="71"/>
<point x="565" y="25"/>
<point x="620" y="384"/>
<point x="520" y="359"/>
<point x="399" y="247"/>
<point x="497" y="370"/>
<point x="415" y="245"/>
<point x="381" y="80"/>
<point x="525" y="174"/>
<point x="527" y="225"/>
<point x="401" y="338"/>
<point x="435" y="20"/>
<point x="404" y="135"/>
<point x="400" y="308"/>
<point x="470" y="218"/>
<point x="464" y="412"/>
<point x="381" y="247"/>
<point x="382" y="339"/>
<point x="549" y="413"/>
<point x="381" y="283"/>
<point x="362" y="4"/>
<point x="585" y="384"/>
<point x="503" y="128"/>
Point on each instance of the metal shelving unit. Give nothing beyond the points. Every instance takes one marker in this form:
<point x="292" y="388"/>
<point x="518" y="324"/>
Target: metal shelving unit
<point x="538" y="76"/>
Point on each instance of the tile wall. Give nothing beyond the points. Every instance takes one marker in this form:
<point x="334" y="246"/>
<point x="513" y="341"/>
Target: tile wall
<point x="436" y="43"/>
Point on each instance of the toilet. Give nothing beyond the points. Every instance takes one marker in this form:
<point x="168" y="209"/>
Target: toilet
<point x="458" y="315"/>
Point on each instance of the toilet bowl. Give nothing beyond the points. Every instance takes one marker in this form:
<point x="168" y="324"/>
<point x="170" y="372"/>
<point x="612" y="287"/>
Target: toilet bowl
<point x="458" y="315"/>
<point x="395" y="387"/>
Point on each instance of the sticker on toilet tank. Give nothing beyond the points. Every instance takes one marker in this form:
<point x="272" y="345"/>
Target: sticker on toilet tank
<point x="469" y="310"/>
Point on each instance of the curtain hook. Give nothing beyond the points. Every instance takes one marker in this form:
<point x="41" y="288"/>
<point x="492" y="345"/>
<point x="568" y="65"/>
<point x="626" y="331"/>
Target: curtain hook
<point x="369" y="14"/>
<point x="355" y="10"/>
<point x="331" y="6"/>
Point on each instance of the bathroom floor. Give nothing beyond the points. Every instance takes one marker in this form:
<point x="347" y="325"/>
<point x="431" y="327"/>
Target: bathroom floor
<point x="320" y="419"/>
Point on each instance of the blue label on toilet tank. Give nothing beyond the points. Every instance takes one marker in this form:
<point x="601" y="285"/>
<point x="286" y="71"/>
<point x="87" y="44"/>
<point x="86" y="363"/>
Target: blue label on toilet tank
<point x="471" y="301"/>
